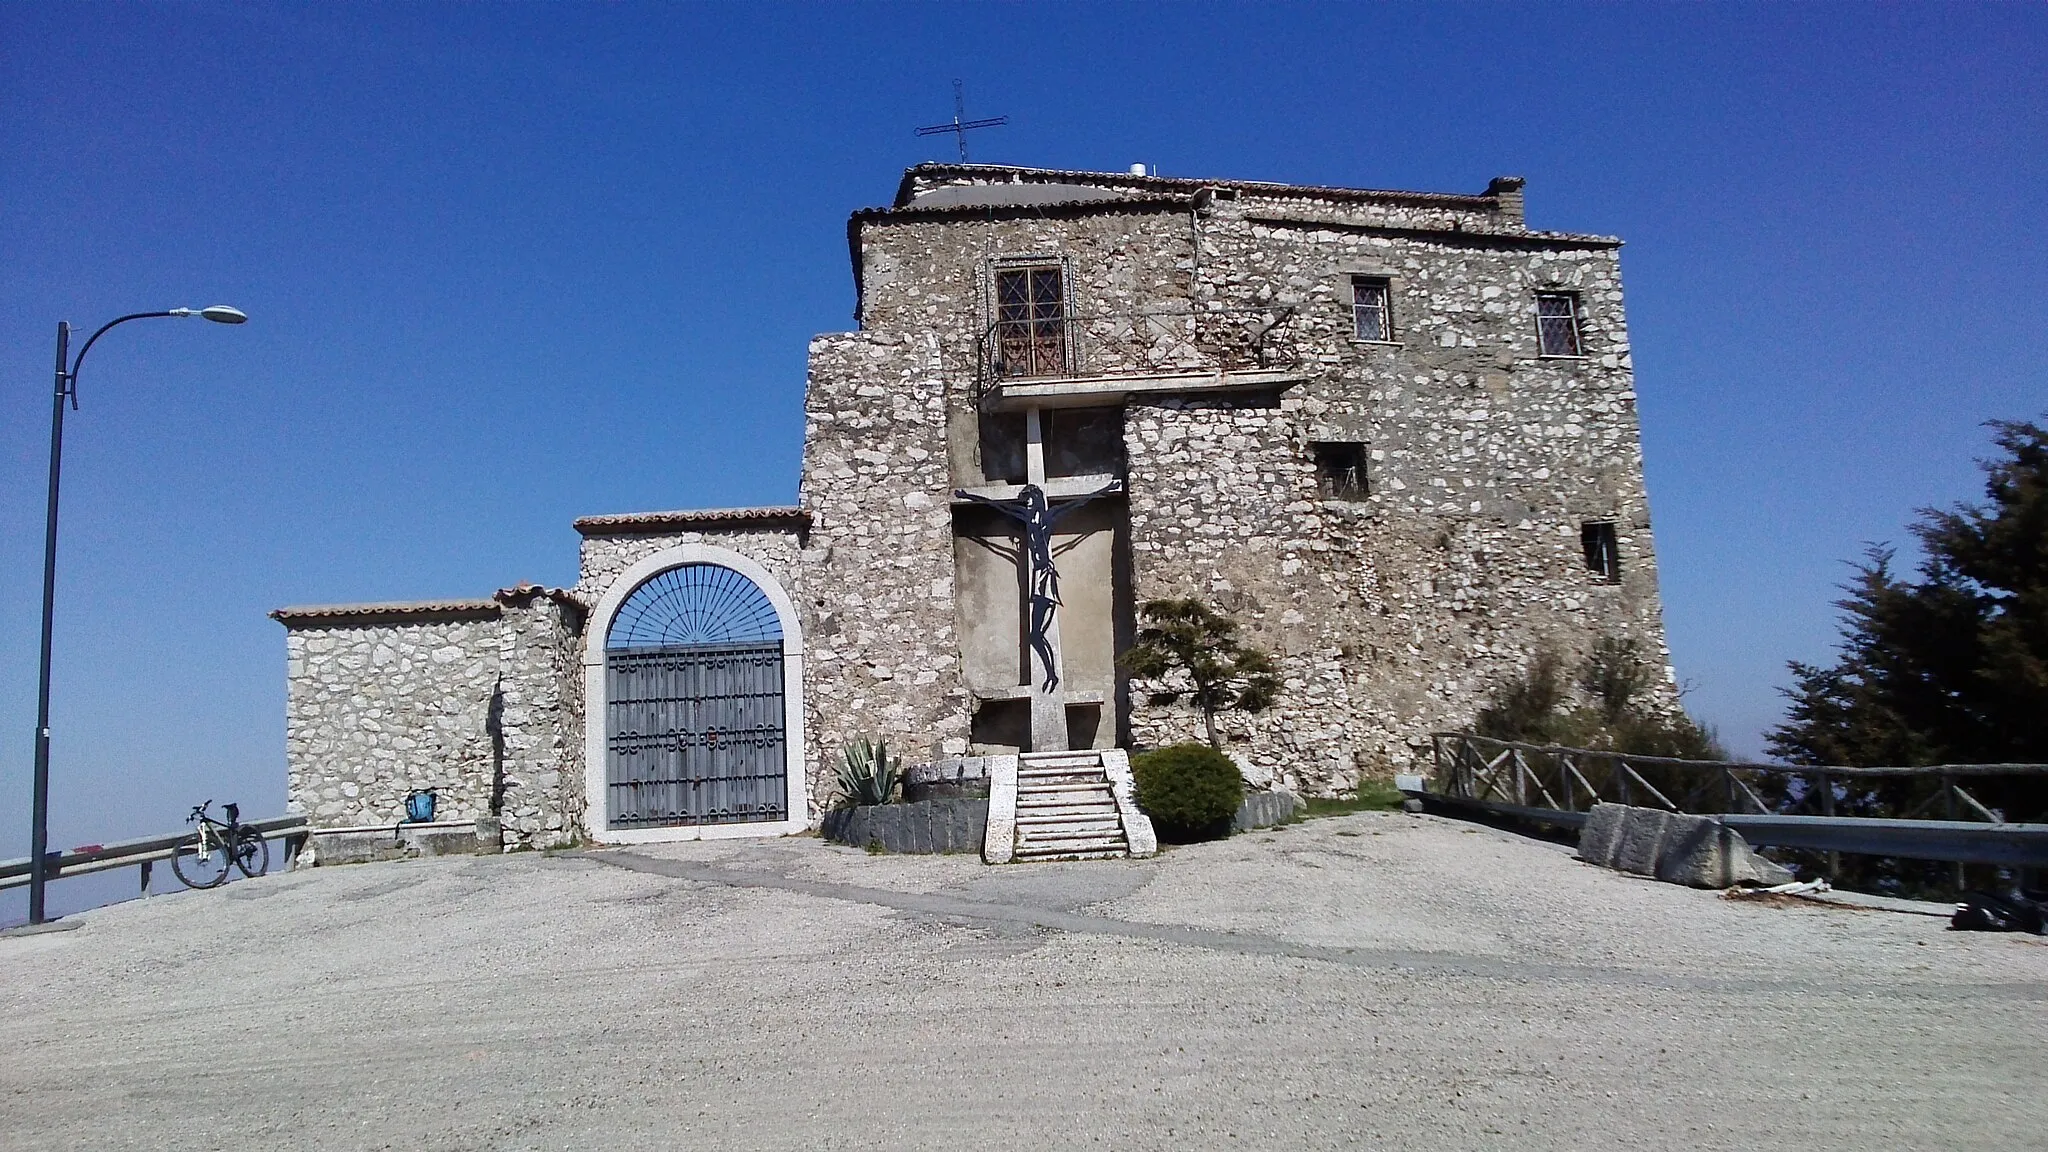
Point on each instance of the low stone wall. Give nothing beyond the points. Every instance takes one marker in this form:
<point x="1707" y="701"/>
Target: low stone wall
<point x="951" y="778"/>
<point x="330" y="846"/>
<point x="475" y="699"/>
<point x="922" y="827"/>
<point x="1673" y="847"/>
<point x="1265" y="809"/>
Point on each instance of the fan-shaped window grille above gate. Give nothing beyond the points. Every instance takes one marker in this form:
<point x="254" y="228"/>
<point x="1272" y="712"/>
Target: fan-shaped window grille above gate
<point x="693" y="605"/>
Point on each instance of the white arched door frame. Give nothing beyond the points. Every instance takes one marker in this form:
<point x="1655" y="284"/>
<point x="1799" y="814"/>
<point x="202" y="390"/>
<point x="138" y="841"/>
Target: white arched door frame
<point x="594" y="813"/>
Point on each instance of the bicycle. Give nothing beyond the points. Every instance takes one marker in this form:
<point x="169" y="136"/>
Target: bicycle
<point x="204" y="860"/>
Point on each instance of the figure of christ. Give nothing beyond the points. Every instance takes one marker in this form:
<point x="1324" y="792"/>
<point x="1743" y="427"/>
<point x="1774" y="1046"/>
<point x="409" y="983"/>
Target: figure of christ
<point x="1031" y="509"/>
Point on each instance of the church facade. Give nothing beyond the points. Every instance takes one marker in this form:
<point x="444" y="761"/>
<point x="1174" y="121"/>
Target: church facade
<point x="1392" y="434"/>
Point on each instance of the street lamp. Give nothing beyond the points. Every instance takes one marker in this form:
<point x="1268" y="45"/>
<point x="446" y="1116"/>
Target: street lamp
<point x="67" y="388"/>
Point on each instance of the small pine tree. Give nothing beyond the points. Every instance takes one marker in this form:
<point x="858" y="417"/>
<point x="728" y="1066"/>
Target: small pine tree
<point x="1185" y="638"/>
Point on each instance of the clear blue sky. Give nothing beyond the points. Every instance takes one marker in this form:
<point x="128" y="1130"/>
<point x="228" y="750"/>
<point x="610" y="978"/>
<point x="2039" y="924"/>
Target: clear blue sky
<point x="506" y="265"/>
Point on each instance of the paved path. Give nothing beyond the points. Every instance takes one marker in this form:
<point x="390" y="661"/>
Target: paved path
<point x="1373" y="981"/>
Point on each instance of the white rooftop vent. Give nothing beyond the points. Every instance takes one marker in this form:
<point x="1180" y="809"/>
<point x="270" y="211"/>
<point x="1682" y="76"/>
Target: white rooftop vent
<point x="1137" y="169"/>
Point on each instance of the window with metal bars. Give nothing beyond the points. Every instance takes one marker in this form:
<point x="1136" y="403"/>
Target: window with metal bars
<point x="1340" y="469"/>
<point x="1031" y="336"/>
<point x="1603" y="555"/>
<point x="1558" y="324"/>
<point x="1372" y="308"/>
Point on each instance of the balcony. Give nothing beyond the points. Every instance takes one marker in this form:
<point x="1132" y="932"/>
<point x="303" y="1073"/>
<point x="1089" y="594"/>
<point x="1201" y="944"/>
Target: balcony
<point x="1081" y="361"/>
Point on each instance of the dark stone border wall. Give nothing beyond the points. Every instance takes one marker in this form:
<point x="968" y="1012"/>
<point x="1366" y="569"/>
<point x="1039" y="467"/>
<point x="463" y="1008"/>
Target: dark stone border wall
<point x="920" y="828"/>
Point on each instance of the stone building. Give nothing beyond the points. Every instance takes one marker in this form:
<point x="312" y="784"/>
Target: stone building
<point x="1393" y="434"/>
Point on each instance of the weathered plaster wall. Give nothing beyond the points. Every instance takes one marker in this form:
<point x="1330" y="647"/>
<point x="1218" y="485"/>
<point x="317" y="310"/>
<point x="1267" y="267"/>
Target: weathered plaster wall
<point x="480" y="705"/>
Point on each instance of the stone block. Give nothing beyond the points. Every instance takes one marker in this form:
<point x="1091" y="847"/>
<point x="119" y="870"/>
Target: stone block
<point x="1642" y="841"/>
<point x="885" y="826"/>
<point x="1674" y="847"/>
<point x="999" y="841"/>
<point x="1265" y="809"/>
<point x="357" y="846"/>
<point x="916" y="827"/>
<point x="855" y="832"/>
<point x="426" y="840"/>
<point x="1601" y="834"/>
<point x="1705" y="853"/>
<point x="970" y="822"/>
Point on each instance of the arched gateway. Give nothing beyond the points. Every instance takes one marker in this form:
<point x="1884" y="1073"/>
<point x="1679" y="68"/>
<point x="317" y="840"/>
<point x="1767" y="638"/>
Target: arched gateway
<point x="693" y="710"/>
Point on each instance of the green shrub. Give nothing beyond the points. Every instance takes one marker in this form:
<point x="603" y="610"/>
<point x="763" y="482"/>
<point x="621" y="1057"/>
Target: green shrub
<point x="1190" y="790"/>
<point x="869" y="773"/>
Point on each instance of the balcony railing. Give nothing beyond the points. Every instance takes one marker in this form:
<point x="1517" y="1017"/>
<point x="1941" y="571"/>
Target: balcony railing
<point x="1136" y="343"/>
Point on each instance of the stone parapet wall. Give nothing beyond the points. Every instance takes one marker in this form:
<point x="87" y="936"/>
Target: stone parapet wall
<point x="480" y="704"/>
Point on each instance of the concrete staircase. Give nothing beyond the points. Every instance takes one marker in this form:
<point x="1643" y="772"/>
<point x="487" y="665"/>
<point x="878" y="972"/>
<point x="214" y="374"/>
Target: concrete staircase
<point x="1064" y="806"/>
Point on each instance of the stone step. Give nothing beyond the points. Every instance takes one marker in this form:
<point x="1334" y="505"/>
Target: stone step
<point x="1104" y="806"/>
<point x="1032" y="759"/>
<point x="1053" y="794"/>
<point x="1078" y="837"/>
<point x="1041" y="826"/>
<point x="1062" y="774"/>
<point x="1073" y="852"/>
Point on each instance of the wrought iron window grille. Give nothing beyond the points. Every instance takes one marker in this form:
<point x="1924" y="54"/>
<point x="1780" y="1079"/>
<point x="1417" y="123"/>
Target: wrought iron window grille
<point x="1559" y="324"/>
<point x="1372" y="314"/>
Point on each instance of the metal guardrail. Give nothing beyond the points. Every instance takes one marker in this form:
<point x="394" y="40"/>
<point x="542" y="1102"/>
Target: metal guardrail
<point x="142" y="853"/>
<point x="1862" y="811"/>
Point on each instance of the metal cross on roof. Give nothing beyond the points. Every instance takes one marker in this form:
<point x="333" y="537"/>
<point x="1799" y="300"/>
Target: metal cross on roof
<point x="961" y="125"/>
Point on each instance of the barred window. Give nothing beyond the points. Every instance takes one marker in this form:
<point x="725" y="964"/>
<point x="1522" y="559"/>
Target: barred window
<point x="1340" y="470"/>
<point x="1030" y="322"/>
<point x="1603" y="555"/>
<point x="1372" y="314"/>
<point x="1557" y="323"/>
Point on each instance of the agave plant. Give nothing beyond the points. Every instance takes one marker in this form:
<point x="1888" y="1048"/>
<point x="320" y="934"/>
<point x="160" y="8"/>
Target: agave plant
<point x="870" y="773"/>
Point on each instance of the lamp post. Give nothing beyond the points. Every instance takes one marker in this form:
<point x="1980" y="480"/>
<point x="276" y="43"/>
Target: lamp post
<point x="67" y="388"/>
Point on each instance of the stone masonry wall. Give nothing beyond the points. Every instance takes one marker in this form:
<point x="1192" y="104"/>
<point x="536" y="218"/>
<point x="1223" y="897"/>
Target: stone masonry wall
<point x="605" y="556"/>
<point x="883" y="661"/>
<point x="479" y="704"/>
<point x="1392" y="615"/>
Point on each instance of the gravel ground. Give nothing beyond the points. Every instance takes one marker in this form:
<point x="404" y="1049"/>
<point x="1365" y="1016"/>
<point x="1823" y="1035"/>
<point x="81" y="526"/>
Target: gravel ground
<point x="1370" y="980"/>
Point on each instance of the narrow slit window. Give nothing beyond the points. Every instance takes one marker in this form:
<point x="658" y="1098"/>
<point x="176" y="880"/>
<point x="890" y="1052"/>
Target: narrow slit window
<point x="1340" y="470"/>
<point x="1603" y="557"/>
<point x="1558" y="323"/>
<point x="1372" y="311"/>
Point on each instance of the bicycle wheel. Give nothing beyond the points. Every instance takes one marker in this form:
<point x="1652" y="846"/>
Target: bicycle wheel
<point x="200" y="869"/>
<point x="252" y="854"/>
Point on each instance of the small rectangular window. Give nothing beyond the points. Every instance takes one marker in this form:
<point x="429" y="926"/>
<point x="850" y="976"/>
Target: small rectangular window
<point x="1557" y="323"/>
<point x="1030" y="336"/>
<point x="1340" y="470"/>
<point x="1602" y="555"/>
<point x="1372" y="311"/>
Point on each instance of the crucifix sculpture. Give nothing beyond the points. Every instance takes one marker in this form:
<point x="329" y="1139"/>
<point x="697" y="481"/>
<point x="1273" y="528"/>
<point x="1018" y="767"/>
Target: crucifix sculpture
<point x="1035" y="513"/>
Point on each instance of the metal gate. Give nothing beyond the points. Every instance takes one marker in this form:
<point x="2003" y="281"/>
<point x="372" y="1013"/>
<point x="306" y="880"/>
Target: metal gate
<point x="695" y="727"/>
